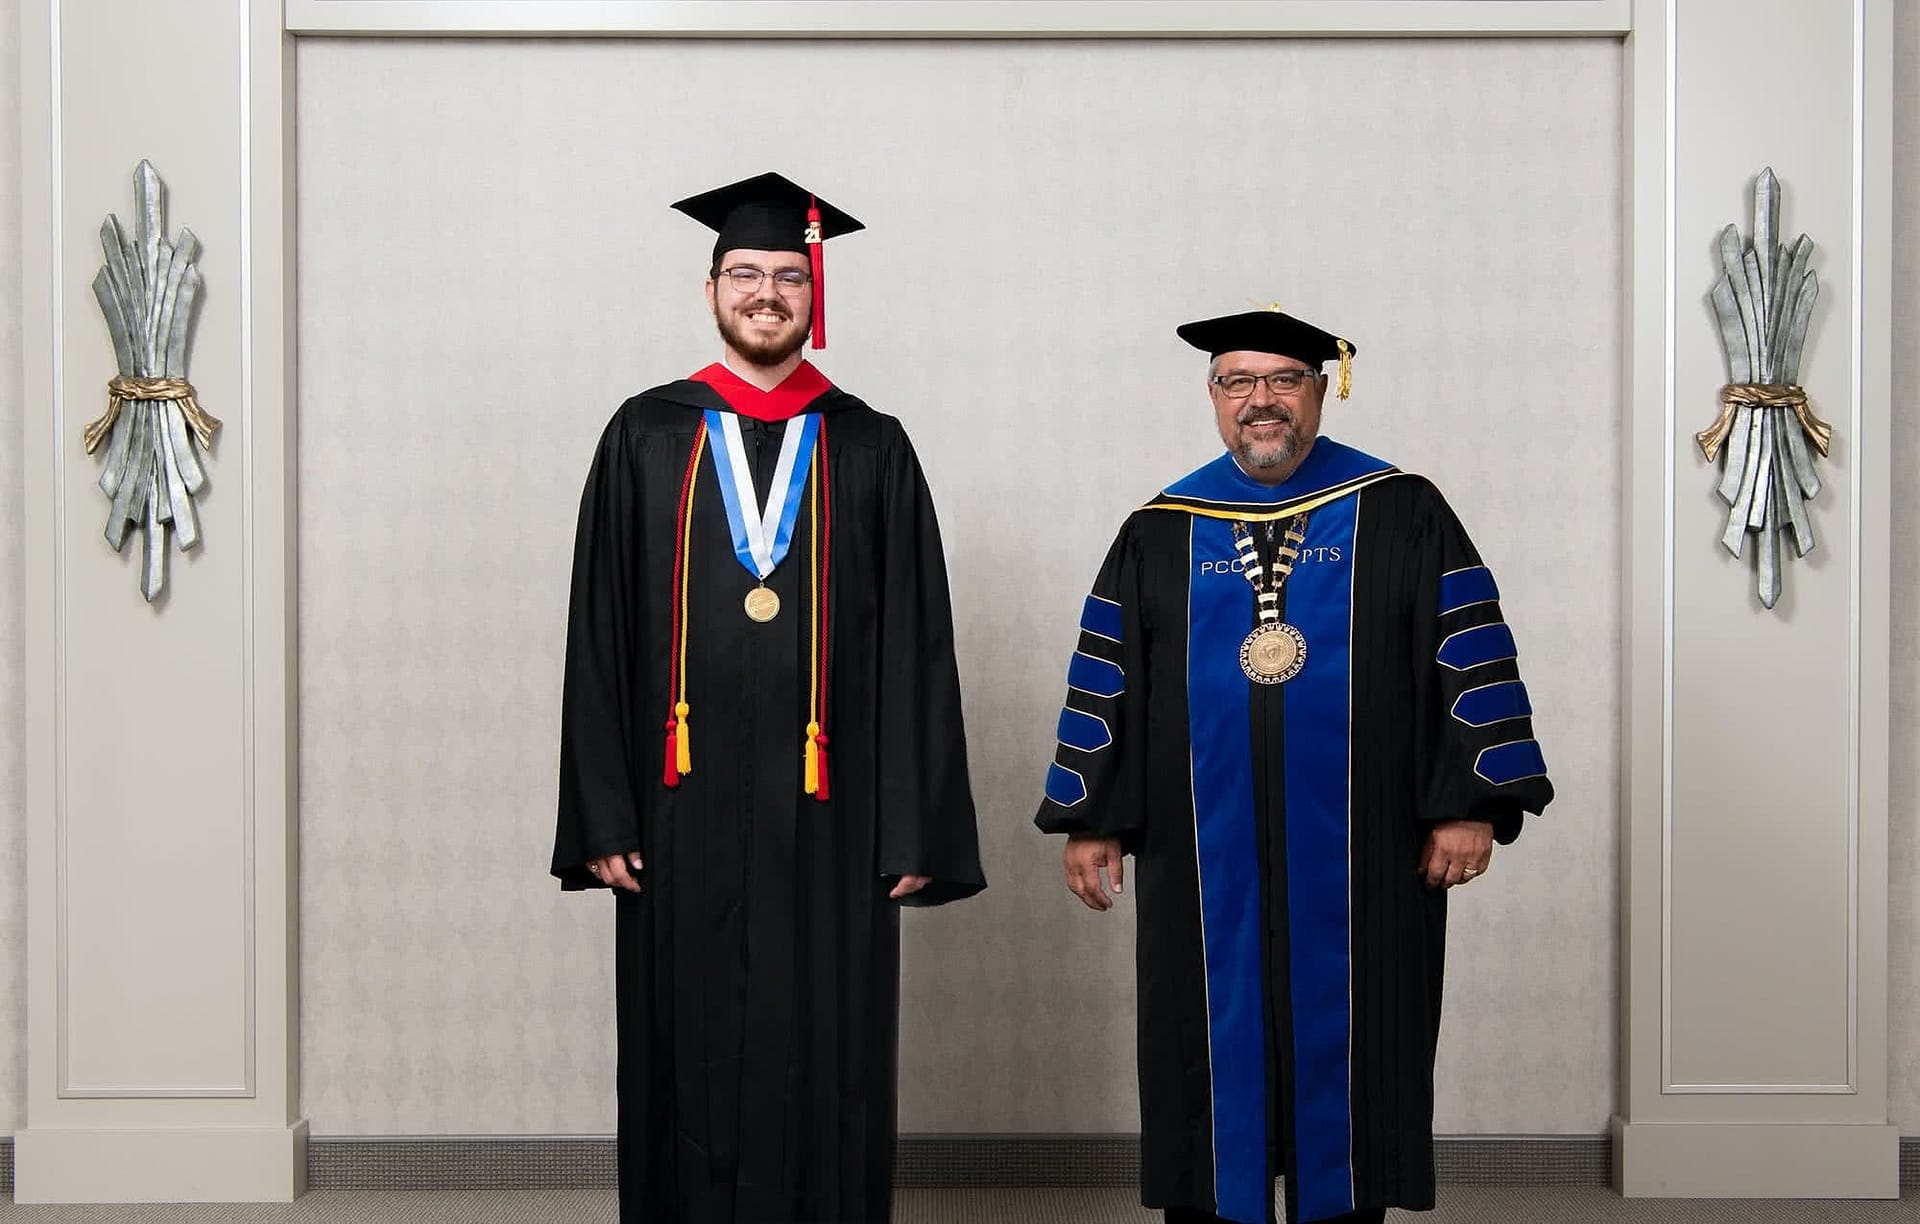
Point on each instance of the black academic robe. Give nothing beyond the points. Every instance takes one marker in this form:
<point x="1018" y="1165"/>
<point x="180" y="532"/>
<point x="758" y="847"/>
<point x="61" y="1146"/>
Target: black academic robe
<point x="757" y="970"/>
<point x="1289" y="958"/>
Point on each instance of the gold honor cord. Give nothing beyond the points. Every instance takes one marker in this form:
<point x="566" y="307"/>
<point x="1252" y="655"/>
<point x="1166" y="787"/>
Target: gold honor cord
<point x="682" y="745"/>
<point x="127" y="388"/>
<point x="1245" y="514"/>
<point x="810" y="751"/>
<point x="1763" y="395"/>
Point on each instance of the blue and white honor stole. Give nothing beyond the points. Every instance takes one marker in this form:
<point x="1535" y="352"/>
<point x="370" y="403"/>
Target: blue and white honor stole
<point x="762" y="536"/>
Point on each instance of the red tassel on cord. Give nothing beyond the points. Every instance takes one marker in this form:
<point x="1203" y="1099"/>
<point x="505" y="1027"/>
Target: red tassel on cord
<point x="816" y="244"/>
<point x="670" y="774"/>
<point x="820" y="787"/>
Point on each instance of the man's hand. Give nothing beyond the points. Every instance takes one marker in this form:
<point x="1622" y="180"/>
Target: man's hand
<point x="909" y="885"/>
<point x="613" y="870"/>
<point x="1085" y="856"/>
<point x="1457" y="851"/>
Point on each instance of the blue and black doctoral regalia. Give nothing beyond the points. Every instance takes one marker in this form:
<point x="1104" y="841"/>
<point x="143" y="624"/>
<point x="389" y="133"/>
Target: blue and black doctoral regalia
<point x="1289" y="955"/>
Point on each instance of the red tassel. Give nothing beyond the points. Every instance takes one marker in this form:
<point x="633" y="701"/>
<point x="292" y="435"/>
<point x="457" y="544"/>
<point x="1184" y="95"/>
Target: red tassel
<point x="820" y="790"/>
<point x="816" y="245"/>
<point x="670" y="774"/>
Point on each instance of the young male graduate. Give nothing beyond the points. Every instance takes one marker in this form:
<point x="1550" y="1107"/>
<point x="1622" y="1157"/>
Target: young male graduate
<point x="761" y="750"/>
<point x="1295" y="703"/>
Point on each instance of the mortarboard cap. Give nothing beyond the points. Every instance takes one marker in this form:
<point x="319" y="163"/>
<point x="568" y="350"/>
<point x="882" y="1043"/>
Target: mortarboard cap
<point x="770" y="212"/>
<point x="1271" y="331"/>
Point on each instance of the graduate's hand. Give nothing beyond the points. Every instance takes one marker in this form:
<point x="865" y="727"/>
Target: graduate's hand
<point x="1457" y="851"/>
<point x="1085" y="856"/>
<point x="909" y="885"/>
<point x="612" y="870"/>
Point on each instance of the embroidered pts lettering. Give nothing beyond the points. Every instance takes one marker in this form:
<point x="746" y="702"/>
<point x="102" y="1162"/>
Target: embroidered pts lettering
<point x="1323" y="552"/>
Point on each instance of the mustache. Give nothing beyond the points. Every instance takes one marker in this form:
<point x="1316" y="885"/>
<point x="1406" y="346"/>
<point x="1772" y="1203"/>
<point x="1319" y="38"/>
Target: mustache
<point x="775" y="306"/>
<point x="1248" y="416"/>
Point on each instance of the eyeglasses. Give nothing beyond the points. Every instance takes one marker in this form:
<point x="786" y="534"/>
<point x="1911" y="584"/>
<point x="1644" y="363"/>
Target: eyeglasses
<point x="747" y="279"/>
<point x="1280" y="382"/>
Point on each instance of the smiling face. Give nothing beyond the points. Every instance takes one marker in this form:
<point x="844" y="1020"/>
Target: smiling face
<point x="1269" y="434"/>
<point x="767" y="324"/>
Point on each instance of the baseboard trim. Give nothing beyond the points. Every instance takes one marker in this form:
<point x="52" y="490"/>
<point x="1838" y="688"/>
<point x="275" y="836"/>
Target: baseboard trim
<point x="338" y="1163"/>
<point x="159" y="1164"/>
<point x="1757" y="1160"/>
<point x="489" y="1163"/>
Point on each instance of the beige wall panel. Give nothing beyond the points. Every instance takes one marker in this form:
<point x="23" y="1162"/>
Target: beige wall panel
<point x="1742" y="923"/>
<point x="487" y="267"/>
<point x="1903" y="850"/>
<point x="13" y="841"/>
<point x="188" y="877"/>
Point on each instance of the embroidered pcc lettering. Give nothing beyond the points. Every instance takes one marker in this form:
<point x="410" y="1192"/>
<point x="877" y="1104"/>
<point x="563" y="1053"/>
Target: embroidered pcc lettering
<point x="1325" y="552"/>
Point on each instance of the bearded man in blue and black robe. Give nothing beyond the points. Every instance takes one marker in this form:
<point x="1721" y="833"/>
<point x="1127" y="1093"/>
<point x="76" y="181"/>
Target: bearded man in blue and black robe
<point x="1296" y="704"/>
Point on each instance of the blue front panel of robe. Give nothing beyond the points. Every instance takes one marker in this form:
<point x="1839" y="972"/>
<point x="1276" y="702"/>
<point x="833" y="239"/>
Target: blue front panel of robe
<point x="1319" y="896"/>
<point x="1220" y="612"/>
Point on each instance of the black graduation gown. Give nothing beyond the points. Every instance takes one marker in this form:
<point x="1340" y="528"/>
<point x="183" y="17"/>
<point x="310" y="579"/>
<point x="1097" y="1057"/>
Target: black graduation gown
<point x="1289" y="958"/>
<point x="757" y="971"/>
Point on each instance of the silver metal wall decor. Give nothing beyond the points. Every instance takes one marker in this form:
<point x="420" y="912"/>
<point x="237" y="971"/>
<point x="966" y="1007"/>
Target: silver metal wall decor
<point x="147" y="291"/>
<point x="1764" y="300"/>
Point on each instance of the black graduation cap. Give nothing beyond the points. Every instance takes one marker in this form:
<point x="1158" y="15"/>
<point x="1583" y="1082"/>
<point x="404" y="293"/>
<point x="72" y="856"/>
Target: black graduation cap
<point x="767" y="212"/>
<point x="1271" y="331"/>
<point x="770" y="212"/>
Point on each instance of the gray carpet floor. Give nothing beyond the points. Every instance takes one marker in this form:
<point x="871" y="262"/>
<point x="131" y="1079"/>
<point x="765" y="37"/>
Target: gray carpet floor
<point x="1458" y="1205"/>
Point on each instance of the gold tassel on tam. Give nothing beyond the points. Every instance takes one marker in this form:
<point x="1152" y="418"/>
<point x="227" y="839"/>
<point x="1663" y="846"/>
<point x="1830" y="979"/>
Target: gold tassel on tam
<point x="1345" y="385"/>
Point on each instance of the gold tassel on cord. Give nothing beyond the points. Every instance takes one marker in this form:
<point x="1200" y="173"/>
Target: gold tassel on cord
<point x="813" y="758"/>
<point x="682" y="747"/>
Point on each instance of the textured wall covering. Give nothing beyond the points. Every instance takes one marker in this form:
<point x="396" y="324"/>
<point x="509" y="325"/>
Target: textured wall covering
<point x="487" y="267"/>
<point x="1903" y="983"/>
<point x="13" y="783"/>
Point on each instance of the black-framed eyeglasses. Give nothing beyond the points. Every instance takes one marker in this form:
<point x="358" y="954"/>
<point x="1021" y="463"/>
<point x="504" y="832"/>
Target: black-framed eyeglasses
<point x="1280" y="382"/>
<point x="746" y="278"/>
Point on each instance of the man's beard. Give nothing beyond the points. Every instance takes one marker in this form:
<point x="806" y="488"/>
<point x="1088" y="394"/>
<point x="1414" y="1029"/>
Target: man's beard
<point x="1277" y="453"/>
<point x="759" y="349"/>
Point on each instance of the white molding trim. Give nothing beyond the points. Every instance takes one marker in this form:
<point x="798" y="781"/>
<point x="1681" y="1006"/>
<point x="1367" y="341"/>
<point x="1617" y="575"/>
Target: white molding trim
<point x="1855" y="549"/>
<point x="249" y="635"/>
<point x="1669" y="199"/>
<point x="964" y="18"/>
<point x="1855" y="489"/>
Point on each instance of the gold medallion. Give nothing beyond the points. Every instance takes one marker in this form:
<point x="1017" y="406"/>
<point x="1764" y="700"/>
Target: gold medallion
<point x="1273" y="654"/>
<point x="762" y="604"/>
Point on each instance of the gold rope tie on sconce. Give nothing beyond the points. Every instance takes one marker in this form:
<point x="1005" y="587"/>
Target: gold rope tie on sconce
<point x="1763" y="395"/>
<point x="127" y="388"/>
